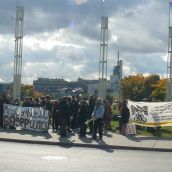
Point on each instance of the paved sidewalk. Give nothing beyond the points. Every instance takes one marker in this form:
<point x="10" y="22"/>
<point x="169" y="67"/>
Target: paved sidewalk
<point x="110" y="140"/>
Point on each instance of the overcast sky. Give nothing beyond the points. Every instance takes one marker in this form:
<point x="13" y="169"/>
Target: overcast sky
<point x="62" y="37"/>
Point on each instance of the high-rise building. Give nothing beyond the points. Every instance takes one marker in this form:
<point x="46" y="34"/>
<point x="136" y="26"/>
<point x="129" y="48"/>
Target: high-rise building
<point x="115" y="79"/>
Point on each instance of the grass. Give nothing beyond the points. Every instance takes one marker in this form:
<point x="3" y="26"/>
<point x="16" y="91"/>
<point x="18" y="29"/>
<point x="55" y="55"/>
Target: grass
<point x="163" y="132"/>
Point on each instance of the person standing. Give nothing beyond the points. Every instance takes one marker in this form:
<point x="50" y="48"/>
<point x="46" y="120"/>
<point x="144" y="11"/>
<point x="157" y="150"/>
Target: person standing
<point x="1" y="113"/>
<point x="107" y="115"/>
<point x="63" y="114"/>
<point x="70" y="112"/>
<point x="98" y="119"/>
<point x="75" y="106"/>
<point x="49" y="107"/>
<point x="82" y="117"/>
<point x="91" y="106"/>
<point x="125" y="115"/>
<point x="55" y="115"/>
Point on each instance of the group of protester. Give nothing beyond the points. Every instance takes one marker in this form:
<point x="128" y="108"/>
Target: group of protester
<point x="69" y="113"/>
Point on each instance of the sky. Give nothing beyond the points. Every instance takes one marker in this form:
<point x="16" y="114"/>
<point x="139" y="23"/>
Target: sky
<point x="62" y="38"/>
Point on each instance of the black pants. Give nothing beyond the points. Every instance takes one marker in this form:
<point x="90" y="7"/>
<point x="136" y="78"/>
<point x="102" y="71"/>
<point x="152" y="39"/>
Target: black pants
<point x="82" y="131"/>
<point x="98" y="126"/>
<point x="1" y="120"/>
<point x="63" y="127"/>
<point x="74" y="121"/>
<point x="54" y="122"/>
<point x="90" y="125"/>
<point x="68" y="123"/>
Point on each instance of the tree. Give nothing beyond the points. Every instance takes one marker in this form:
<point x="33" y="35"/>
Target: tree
<point x="138" y="87"/>
<point x="132" y="87"/>
<point x="27" y="91"/>
<point x="149" y="85"/>
<point x="159" y="91"/>
<point x="37" y="94"/>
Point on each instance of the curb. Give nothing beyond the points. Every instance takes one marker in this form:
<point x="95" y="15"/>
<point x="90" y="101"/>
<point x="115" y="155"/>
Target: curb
<point x="100" y="146"/>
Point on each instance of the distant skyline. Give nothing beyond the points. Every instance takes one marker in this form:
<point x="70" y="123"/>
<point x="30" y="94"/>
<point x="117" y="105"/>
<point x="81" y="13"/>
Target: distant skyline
<point x="62" y="38"/>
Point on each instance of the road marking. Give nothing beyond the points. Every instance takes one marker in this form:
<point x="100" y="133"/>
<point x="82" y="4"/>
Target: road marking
<point x="54" y="157"/>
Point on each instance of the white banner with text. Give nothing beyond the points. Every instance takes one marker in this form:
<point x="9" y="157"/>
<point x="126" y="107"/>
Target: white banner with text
<point x="151" y="114"/>
<point x="31" y="118"/>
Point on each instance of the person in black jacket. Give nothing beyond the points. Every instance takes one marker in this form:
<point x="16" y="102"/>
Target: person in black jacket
<point x="125" y="115"/>
<point x="75" y="106"/>
<point x="63" y="115"/>
<point x="49" y="107"/>
<point x="91" y="106"/>
<point x="82" y="117"/>
<point x="1" y="113"/>
<point x="55" y="115"/>
<point x="70" y="113"/>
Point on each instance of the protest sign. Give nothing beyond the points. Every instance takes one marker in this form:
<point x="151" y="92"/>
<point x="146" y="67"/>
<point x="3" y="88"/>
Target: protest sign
<point x="32" y="118"/>
<point x="151" y="114"/>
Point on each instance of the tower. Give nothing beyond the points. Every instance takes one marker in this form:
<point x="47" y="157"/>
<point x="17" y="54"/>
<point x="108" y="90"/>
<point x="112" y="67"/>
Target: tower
<point x="115" y="79"/>
<point x="103" y="56"/>
<point x="169" y="60"/>
<point x="18" y="52"/>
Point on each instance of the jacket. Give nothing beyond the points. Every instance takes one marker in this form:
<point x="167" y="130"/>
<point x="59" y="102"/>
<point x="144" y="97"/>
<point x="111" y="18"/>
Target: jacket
<point x="98" y="111"/>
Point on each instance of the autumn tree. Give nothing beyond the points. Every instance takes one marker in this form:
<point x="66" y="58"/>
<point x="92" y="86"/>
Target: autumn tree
<point x="28" y="91"/>
<point x="159" y="91"/>
<point x="132" y="87"/>
<point x="139" y="87"/>
<point x="149" y="85"/>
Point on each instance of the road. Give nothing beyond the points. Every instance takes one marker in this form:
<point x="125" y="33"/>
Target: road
<point x="17" y="157"/>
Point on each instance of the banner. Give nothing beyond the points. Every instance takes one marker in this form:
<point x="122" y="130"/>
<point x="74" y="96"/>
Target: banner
<point x="151" y="114"/>
<point x="32" y="118"/>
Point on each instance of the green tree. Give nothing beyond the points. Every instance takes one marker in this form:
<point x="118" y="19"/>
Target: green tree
<point x="132" y="87"/>
<point x="138" y="87"/>
<point x="27" y="90"/>
<point x="159" y="91"/>
<point x="149" y="85"/>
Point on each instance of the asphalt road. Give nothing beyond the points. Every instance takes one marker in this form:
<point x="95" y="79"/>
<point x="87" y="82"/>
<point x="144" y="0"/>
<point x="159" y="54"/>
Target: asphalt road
<point x="17" y="157"/>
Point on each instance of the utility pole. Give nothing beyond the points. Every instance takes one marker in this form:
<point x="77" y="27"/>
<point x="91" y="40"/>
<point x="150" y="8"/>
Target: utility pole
<point x="169" y="60"/>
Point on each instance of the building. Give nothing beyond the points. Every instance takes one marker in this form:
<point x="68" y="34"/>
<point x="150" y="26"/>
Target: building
<point x="53" y="87"/>
<point x="60" y="87"/>
<point x="115" y="80"/>
<point x="5" y="88"/>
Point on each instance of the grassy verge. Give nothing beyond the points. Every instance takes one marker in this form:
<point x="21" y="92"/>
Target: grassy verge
<point x="163" y="132"/>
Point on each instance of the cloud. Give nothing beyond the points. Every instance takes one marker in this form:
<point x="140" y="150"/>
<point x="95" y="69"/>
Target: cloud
<point x="62" y="38"/>
<point x="79" y="2"/>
